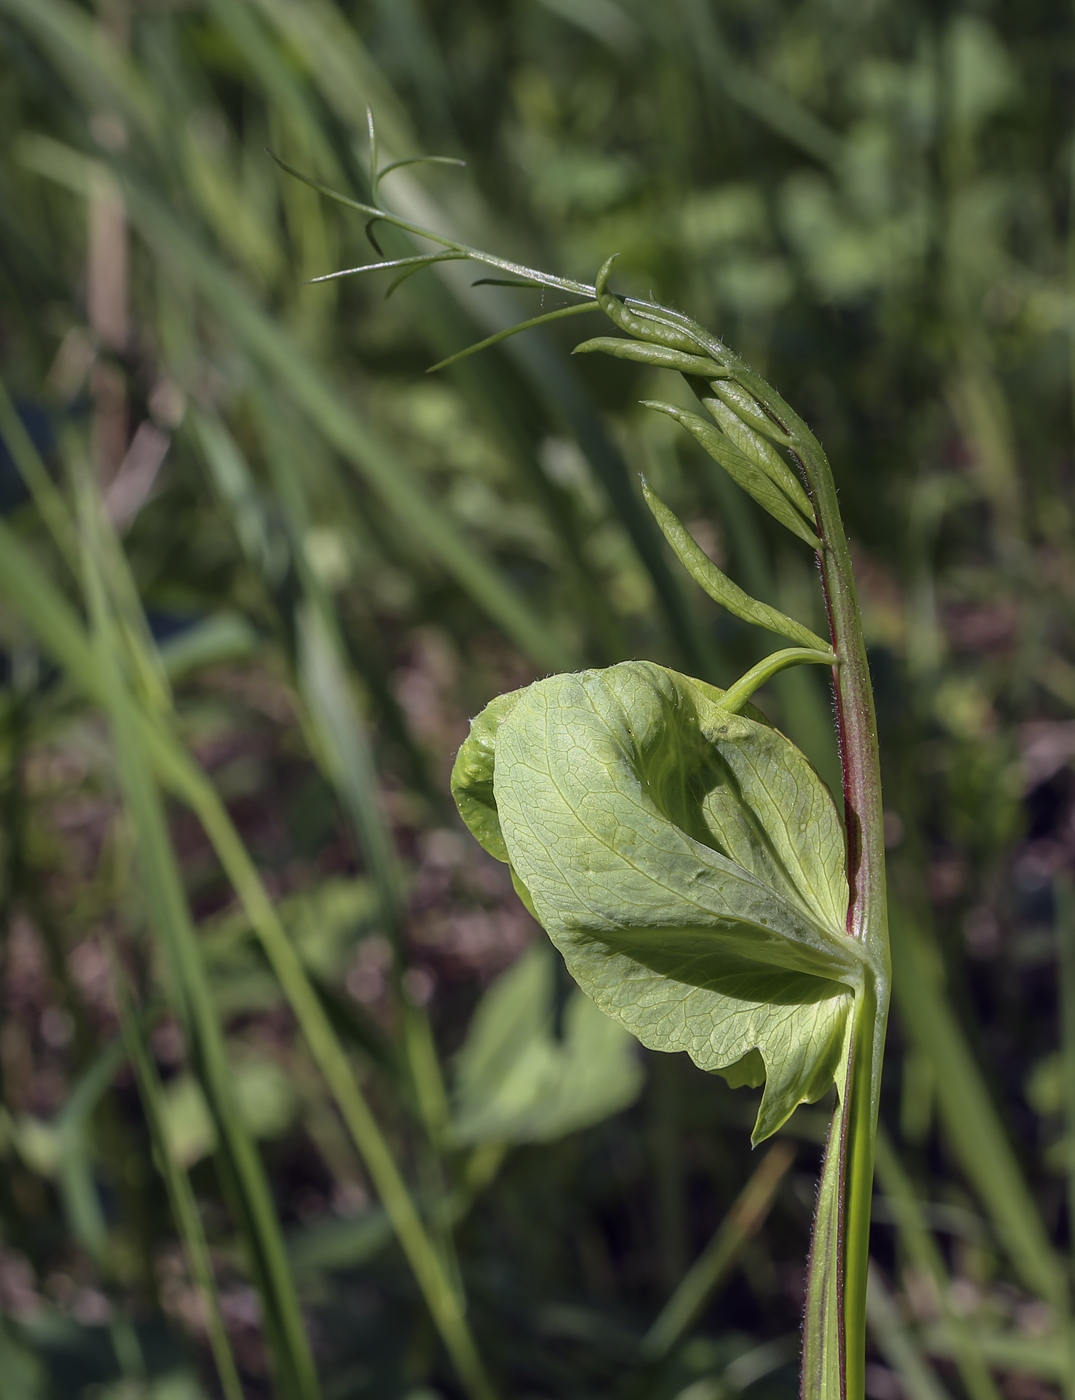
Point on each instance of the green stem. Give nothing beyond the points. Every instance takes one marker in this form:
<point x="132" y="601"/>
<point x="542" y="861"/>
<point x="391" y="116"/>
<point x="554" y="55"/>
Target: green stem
<point x="850" y="1157"/>
<point x="737" y="695"/>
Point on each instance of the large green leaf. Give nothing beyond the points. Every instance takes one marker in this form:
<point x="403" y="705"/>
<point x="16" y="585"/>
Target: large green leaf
<point x="687" y="862"/>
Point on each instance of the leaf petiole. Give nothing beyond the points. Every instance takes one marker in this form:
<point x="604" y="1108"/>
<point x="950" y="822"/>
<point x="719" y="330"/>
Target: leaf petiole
<point x="736" y="696"/>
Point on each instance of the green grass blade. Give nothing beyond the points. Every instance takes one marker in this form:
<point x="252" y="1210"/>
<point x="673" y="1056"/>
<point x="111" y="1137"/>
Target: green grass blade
<point x="1064" y="895"/>
<point x="270" y="345"/>
<point x="91" y="62"/>
<point x="746" y="1216"/>
<point x="59" y="632"/>
<point x="180" y="1195"/>
<point x="170" y="918"/>
<point x="897" y="1345"/>
<point x="339" y="733"/>
<point x="266" y="60"/>
<point x="81" y="1199"/>
<point x="50" y="503"/>
<point x="923" y="1252"/>
<point x="318" y="34"/>
<point x="82" y="1204"/>
<point x="278" y="352"/>
<point x="970" y="1121"/>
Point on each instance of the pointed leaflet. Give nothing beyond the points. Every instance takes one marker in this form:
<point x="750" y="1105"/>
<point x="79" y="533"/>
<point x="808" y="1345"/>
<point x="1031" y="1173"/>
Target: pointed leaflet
<point x="654" y="325"/>
<point x="656" y="356"/>
<point x="741" y="469"/>
<point x="687" y="862"/>
<point x="754" y="445"/>
<point x="718" y="585"/>
<point x="747" y="408"/>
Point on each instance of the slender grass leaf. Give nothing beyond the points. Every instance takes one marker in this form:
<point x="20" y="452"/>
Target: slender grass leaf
<point x="561" y="394"/>
<point x="1064" y="899"/>
<point x="342" y="739"/>
<point x="46" y="497"/>
<point x="923" y="1252"/>
<point x="278" y="352"/>
<point x="898" y="1345"/>
<point x="59" y="630"/>
<point x="241" y="1167"/>
<point x="268" y="61"/>
<point x="970" y="1121"/>
<point x="181" y="1196"/>
<point x="1005" y="1349"/>
<point x="94" y="66"/>
<point x="82" y="1203"/>
<point x="79" y="1192"/>
<point x="713" y="1266"/>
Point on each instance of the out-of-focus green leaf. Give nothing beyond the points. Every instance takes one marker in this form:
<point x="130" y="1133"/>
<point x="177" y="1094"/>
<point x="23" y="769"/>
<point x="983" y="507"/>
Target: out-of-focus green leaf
<point x="23" y="1372"/>
<point x="340" y="1244"/>
<point x="517" y="1080"/>
<point x="898" y="1345"/>
<point x="225" y="636"/>
<point x="264" y="1096"/>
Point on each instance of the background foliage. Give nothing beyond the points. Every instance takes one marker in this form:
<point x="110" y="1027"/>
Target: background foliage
<point x="313" y="562"/>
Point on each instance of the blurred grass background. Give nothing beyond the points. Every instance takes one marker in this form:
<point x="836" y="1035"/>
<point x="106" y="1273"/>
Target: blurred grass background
<point x="286" y="1072"/>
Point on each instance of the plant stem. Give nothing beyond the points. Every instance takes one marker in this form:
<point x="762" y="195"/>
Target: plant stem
<point x="867" y="915"/>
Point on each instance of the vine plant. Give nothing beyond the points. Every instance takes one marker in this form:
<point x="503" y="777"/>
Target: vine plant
<point x="681" y="853"/>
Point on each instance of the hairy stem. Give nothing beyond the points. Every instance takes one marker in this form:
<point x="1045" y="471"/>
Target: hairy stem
<point x="867" y="917"/>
